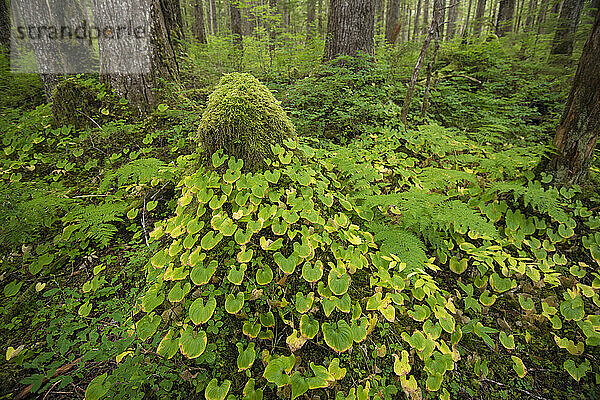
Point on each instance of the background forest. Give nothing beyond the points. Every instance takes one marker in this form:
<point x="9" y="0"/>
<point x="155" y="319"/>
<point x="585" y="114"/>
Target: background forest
<point x="313" y="199"/>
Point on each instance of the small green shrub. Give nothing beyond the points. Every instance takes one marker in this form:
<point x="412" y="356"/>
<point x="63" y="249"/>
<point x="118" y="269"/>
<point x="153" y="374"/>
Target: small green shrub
<point x="243" y="118"/>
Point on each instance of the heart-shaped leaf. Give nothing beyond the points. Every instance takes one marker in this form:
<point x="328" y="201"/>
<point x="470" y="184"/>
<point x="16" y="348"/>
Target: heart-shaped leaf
<point x="168" y="346"/>
<point x="201" y="313"/>
<point x="146" y="326"/>
<point x="304" y="304"/>
<point x="215" y="392"/>
<point x="236" y="274"/>
<point x="287" y="265"/>
<point x="246" y="356"/>
<point x="210" y="240"/>
<point x="338" y="336"/>
<point x="264" y="275"/>
<point x="201" y="275"/>
<point x="338" y="281"/>
<point x="233" y="304"/>
<point x="277" y="370"/>
<point x="309" y="327"/>
<point x="312" y="272"/>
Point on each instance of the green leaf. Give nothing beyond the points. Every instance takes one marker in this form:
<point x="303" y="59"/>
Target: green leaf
<point x="267" y="319"/>
<point x="97" y="388"/>
<point x="246" y="356"/>
<point x="251" y="328"/>
<point x="264" y="275"/>
<point x="12" y="288"/>
<point x="338" y="336"/>
<point x="287" y="265"/>
<point x="312" y="272"/>
<point x="338" y="281"/>
<point x="177" y="293"/>
<point x="507" y="341"/>
<point x="201" y="275"/>
<point x="577" y="372"/>
<point x="519" y="367"/>
<point x="215" y="392"/>
<point x="200" y="313"/>
<point x="153" y="298"/>
<point x="572" y="309"/>
<point x="401" y="366"/>
<point x="304" y="303"/>
<point x="236" y="274"/>
<point x="457" y="266"/>
<point x="250" y="393"/>
<point x="146" y="326"/>
<point x="168" y="346"/>
<point x="233" y="304"/>
<point x="192" y="344"/>
<point x="434" y="382"/>
<point x="277" y="370"/>
<point x="244" y="256"/>
<point x="309" y="326"/>
<point x="299" y="385"/>
<point x="210" y="240"/>
<point x="526" y="302"/>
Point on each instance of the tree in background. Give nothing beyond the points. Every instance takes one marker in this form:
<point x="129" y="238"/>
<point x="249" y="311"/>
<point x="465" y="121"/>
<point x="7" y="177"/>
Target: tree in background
<point x="310" y="19"/>
<point x="453" y="11"/>
<point x="391" y="21"/>
<point x="198" y="27"/>
<point x="137" y="87"/>
<point x="506" y="12"/>
<point x="236" y="25"/>
<point x="576" y="135"/>
<point x="568" y="21"/>
<point x="350" y="25"/>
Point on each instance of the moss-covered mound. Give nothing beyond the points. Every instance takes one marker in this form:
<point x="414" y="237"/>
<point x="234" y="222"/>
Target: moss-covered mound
<point x="243" y="118"/>
<point x="85" y="103"/>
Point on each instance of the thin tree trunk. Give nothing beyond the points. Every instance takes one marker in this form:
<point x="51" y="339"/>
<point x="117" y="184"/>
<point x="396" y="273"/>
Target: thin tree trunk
<point x="391" y="19"/>
<point x="425" y="16"/>
<point x="350" y="28"/>
<point x="198" y="29"/>
<point x="541" y="17"/>
<point x="213" y="16"/>
<point x="567" y="27"/>
<point x="453" y="11"/>
<point x="465" y="32"/>
<point x="576" y="135"/>
<point x="417" y="15"/>
<point x="320" y="17"/>
<point x="310" y="19"/>
<point x="236" y="26"/>
<point x="442" y="21"/>
<point x="431" y="34"/>
<point x="506" y="12"/>
<point x="530" y="14"/>
<point x="272" y="25"/>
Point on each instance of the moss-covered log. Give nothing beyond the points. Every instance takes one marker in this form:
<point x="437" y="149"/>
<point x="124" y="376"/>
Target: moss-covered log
<point x="243" y="118"/>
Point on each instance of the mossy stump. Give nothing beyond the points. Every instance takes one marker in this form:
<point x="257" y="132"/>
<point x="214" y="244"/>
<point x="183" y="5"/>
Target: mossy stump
<point x="244" y="119"/>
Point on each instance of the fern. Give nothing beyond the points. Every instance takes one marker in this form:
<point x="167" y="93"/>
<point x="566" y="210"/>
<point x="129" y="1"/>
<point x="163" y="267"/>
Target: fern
<point x="140" y="171"/>
<point x="432" y="178"/>
<point x="95" y="222"/>
<point x="403" y="243"/>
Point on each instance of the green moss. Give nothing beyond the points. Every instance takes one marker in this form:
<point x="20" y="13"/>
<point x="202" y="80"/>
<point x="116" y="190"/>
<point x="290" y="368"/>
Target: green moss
<point x="243" y="118"/>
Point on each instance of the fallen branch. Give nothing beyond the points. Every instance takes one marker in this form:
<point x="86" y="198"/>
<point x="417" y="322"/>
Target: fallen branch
<point x="59" y="371"/>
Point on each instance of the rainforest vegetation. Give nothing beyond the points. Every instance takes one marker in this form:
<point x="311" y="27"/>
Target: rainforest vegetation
<point x="304" y="199"/>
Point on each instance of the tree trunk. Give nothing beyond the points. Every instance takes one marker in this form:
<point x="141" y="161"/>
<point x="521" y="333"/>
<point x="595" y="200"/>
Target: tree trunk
<point x="567" y="26"/>
<point x="236" y="26"/>
<point x="391" y="18"/>
<point x="320" y="17"/>
<point x="453" y="11"/>
<point x="379" y="11"/>
<point x="285" y="11"/>
<point x="349" y="28"/>
<point x="465" y="31"/>
<point x="310" y="19"/>
<point x="506" y="13"/>
<point x="198" y="29"/>
<point x="213" y="17"/>
<point x="130" y="83"/>
<point x="173" y="19"/>
<point x="272" y="25"/>
<point x="442" y="19"/>
<point x="541" y="17"/>
<point x="576" y="135"/>
<point x="4" y="25"/>
<point x="425" y="16"/>
<point x="416" y="24"/>
<point x="594" y="9"/>
<point x="530" y="14"/>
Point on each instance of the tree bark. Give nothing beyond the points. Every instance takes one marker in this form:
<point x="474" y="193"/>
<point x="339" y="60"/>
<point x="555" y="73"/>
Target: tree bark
<point x="442" y="19"/>
<point x="350" y="25"/>
<point x="379" y="11"/>
<point x="214" y="29"/>
<point x="320" y="17"/>
<point x="453" y="11"/>
<point x="425" y="16"/>
<point x="4" y="25"/>
<point x="576" y="135"/>
<point x="310" y="19"/>
<point x="137" y="87"/>
<point x="530" y="14"/>
<point x="541" y="17"/>
<point x="465" y="31"/>
<point x="568" y="21"/>
<point x="416" y="24"/>
<point x="506" y="13"/>
<point x="198" y="29"/>
<point x="173" y="19"/>
<point x="236" y="26"/>
<point x="391" y="19"/>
